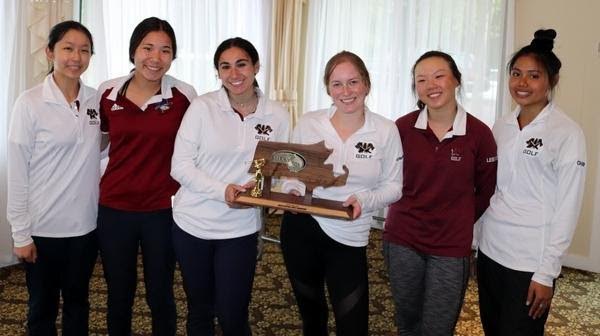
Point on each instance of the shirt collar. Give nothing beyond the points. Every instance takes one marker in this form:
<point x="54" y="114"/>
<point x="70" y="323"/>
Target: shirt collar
<point x="459" y="126"/>
<point x="368" y="126"/>
<point x="225" y="105"/>
<point x="511" y="118"/>
<point x="52" y="93"/>
<point x="166" y="83"/>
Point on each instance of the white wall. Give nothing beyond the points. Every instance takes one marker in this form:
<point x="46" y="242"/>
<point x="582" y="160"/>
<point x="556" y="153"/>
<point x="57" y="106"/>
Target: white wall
<point x="578" y="47"/>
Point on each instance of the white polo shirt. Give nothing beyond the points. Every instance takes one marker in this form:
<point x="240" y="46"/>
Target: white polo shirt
<point x="53" y="164"/>
<point x="533" y="213"/>
<point x="214" y="148"/>
<point x="373" y="156"/>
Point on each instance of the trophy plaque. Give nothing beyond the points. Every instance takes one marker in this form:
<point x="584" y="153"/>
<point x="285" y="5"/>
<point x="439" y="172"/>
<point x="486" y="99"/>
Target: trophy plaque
<point x="303" y="162"/>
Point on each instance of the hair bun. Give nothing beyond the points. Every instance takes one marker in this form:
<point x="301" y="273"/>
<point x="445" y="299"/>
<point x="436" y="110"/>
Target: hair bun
<point x="543" y="39"/>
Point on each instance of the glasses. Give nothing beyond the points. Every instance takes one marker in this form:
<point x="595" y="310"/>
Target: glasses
<point x="351" y="84"/>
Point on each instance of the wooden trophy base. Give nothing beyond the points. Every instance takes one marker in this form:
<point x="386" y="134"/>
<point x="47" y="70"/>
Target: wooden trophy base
<point x="303" y="162"/>
<point x="308" y="205"/>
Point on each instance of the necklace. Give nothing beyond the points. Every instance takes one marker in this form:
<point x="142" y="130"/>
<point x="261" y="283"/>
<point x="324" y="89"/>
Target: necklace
<point x="251" y="102"/>
<point x="245" y="108"/>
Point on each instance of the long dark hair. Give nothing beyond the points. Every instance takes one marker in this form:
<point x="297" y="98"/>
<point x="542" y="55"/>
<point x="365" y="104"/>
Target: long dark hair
<point x="451" y="64"/>
<point x="237" y="42"/>
<point x="60" y="29"/>
<point x="147" y="26"/>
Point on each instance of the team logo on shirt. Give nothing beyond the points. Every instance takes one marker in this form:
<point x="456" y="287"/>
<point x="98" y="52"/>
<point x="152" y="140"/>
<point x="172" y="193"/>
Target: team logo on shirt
<point x="116" y="107"/>
<point x="365" y="150"/>
<point x="455" y="155"/>
<point x="163" y="106"/>
<point x="533" y="146"/>
<point x="263" y="129"/>
<point x="534" y="143"/>
<point x="93" y="114"/>
<point x="262" y="132"/>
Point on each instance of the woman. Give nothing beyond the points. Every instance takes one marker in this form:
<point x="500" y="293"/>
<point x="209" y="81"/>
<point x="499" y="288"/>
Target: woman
<point x="215" y="240"/>
<point x="140" y="114"/>
<point x="530" y="222"/>
<point x="449" y="177"/>
<point x="319" y="250"/>
<point x="53" y="174"/>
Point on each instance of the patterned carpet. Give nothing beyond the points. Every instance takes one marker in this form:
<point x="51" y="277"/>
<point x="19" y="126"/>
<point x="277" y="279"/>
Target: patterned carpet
<point x="575" y="310"/>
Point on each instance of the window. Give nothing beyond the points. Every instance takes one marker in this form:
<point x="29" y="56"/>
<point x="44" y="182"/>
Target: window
<point x="389" y="35"/>
<point x="199" y="27"/>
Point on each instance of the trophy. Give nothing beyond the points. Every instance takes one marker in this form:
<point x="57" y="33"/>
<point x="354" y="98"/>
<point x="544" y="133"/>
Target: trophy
<point x="303" y="162"/>
<point x="259" y="178"/>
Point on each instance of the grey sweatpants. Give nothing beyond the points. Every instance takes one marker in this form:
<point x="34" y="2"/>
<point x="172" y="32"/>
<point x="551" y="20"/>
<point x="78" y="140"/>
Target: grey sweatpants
<point x="428" y="290"/>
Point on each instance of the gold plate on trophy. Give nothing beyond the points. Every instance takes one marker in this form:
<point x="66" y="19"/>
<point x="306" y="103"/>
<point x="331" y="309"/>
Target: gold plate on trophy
<point x="304" y="162"/>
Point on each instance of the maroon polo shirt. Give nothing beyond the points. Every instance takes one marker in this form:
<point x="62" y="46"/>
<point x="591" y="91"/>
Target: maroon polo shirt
<point x="138" y="175"/>
<point x="447" y="186"/>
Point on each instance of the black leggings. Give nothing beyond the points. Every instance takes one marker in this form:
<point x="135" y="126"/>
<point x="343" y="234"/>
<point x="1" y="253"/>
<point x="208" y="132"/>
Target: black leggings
<point x="312" y="260"/>
<point x="502" y="296"/>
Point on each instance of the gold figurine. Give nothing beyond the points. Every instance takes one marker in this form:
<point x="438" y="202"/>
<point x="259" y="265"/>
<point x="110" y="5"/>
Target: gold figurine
<point x="258" y="178"/>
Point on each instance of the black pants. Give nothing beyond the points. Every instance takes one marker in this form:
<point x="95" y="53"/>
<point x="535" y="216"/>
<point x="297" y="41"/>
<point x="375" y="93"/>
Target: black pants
<point x="63" y="266"/>
<point x="120" y="235"/>
<point x="217" y="278"/>
<point x="312" y="260"/>
<point x="502" y="296"/>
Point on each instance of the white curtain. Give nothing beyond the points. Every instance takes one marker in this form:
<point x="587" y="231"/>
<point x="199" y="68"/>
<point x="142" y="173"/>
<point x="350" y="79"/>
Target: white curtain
<point x="508" y="48"/>
<point x="389" y="35"/>
<point x="8" y="26"/>
<point x="200" y="26"/>
<point x="23" y="33"/>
